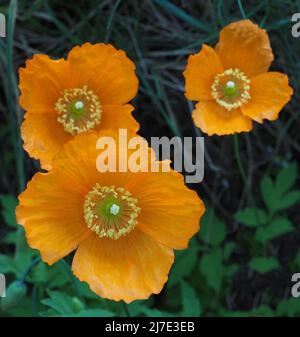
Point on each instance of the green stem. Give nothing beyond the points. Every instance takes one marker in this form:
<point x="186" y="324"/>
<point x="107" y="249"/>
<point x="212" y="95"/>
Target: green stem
<point x="110" y="20"/>
<point x="242" y="9"/>
<point x="72" y="278"/>
<point x="243" y="174"/>
<point x="126" y="309"/>
<point x="14" y="116"/>
<point x="35" y="262"/>
<point x="11" y="95"/>
<point x="239" y="160"/>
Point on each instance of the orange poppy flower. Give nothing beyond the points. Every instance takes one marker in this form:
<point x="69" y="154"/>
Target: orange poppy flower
<point x="123" y="225"/>
<point x="232" y="84"/>
<point x="89" y="90"/>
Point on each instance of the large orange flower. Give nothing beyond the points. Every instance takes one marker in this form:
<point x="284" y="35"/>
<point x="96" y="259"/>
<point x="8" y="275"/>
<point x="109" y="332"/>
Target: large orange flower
<point x="231" y="82"/>
<point x="89" y="90"/>
<point x="124" y="225"/>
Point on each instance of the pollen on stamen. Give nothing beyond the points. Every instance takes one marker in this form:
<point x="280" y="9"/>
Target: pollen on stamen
<point x="79" y="110"/>
<point x="231" y="89"/>
<point x="104" y="201"/>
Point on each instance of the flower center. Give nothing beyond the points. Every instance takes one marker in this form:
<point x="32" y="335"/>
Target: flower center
<point x="231" y="89"/>
<point x="110" y="211"/>
<point x="79" y="110"/>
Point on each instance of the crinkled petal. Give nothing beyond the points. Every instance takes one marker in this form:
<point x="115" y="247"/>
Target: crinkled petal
<point x="105" y="70"/>
<point x="212" y="119"/>
<point x="170" y="212"/>
<point x="200" y="73"/>
<point x="43" y="137"/>
<point x="244" y="45"/>
<point x="51" y="211"/>
<point x="270" y="92"/>
<point x="130" y="268"/>
<point x="42" y="82"/>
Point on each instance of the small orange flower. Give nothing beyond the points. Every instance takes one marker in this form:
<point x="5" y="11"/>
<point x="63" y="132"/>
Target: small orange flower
<point x="89" y="90"/>
<point x="232" y="84"/>
<point x="123" y="225"/>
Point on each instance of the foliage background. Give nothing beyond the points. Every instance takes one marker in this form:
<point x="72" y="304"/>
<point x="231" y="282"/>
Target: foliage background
<point x="242" y="261"/>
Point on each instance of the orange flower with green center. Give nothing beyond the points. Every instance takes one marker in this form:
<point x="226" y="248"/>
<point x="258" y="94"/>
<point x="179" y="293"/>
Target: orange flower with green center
<point x="87" y="91"/>
<point x="232" y="84"/>
<point x="124" y="226"/>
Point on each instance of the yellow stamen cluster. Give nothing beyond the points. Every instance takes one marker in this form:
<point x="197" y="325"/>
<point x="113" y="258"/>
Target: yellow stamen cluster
<point x="79" y="110"/>
<point x="110" y="211"/>
<point x="231" y="89"/>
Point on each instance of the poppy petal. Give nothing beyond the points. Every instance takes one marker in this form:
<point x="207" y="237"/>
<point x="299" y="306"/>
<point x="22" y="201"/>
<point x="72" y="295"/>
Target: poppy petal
<point x="200" y="73"/>
<point x="41" y="83"/>
<point x="244" y="45"/>
<point x="269" y="92"/>
<point x="43" y="137"/>
<point x="105" y="70"/>
<point x="212" y="118"/>
<point x="52" y="215"/>
<point x="170" y="212"/>
<point x="130" y="268"/>
<point x="118" y="117"/>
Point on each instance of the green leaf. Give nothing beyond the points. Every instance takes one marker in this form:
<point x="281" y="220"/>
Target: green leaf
<point x="10" y="238"/>
<point x="17" y="265"/>
<point x="93" y="313"/>
<point x="290" y="307"/>
<point x="228" y="250"/>
<point x="287" y="200"/>
<point x="15" y="293"/>
<point x="286" y="179"/>
<point x="213" y="230"/>
<point x="263" y="264"/>
<point x="8" y="204"/>
<point x="276" y="196"/>
<point x="268" y="192"/>
<point x="190" y="301"/>
<point x="276" y="228"/>
<point x="7" y="264"/>
<point x="297" y="260"/>
<point x="262" y="311"/>
<point x="230" y="270"/>
<point x="211" y="267"/>
<point x="149" y="312"/>
<point x="60" y="302"/>
<point x="251" y="217"/>
<point x="83" y="313"/>
<point x="183" y="266"/>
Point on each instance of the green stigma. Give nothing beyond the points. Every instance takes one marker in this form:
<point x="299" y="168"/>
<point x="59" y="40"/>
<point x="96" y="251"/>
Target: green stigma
<point x="109" y="207"/>
<point x="77" y="109"/>
<point x="230" y="90"/>
<point x="110" y="211"/>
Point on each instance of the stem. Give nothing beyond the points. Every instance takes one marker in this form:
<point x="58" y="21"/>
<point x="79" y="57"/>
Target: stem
<point x="72" y="278"/>
<point x="110" y="20"/>
<point x="243" y="175"/>
<point x="241" y="8"/>
<point x="11" y="95"/>
<point x="239" y="160"/>
<point x="36" y="261"/>
<point x="126" y="309"/>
